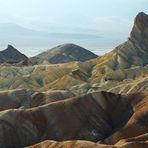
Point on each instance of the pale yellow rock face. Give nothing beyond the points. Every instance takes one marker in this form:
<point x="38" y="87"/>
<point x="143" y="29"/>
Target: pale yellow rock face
<point x="127" y="62"/>
<point x="87" y="144"/>
<point x="72" y="76"/>
<point x="44" y="77"/>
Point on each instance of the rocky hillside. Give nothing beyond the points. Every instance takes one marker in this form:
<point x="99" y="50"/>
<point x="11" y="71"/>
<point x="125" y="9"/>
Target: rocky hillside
<point x="108" y="118"/>
<point x="123" y="70"/>
<point x="63" y="54"/>
<point x="134" y="52"/>
<point x="101" y="102"/>
<point x="25" y="98"/>
<point x="133" y="143"/>
<point x="75" y="77"/>
<point x="11" y="55"/>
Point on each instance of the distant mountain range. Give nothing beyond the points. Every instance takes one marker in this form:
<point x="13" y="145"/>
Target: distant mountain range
<point x="8" y="29"/>
<point x="28" y="38"/>
<point x="32" y="42"/>
<point x="37" y="41"/>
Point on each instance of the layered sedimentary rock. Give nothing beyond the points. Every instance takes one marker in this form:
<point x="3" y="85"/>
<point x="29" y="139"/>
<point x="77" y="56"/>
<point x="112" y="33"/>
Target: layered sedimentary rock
<point x="49" y="110"/>
<point x="23" y="98"/>
<point x="99" y="116"/>
<point x="44" y="77"/>
<point x="123" y="70"/>
<point x="75" y="77"/>
<point x="133" y="52"/>
<point x="87" y="144"/>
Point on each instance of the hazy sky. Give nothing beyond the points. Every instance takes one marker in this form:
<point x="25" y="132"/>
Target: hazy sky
<point x="100" y="17"/>
<point x="87" y="14"/>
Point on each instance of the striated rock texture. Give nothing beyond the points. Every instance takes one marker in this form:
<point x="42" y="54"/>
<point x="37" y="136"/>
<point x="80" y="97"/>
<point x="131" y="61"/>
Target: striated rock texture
<point x="73" y="77"/>
<point x="136" y="125"/>
<point x="48" y="111"/>
<point x="44" y="77"/>
<point x="123" y="70"/>
<point x="69" y="144"/>
<point x="11" y="55"/>
<point x="63" y="54"/>
<point x="23" y="98"/>
<point x="87" y="144"/>
<point x="99" y="116"/>
<point x="133" y="52"/>
<point x="140" y="30"/>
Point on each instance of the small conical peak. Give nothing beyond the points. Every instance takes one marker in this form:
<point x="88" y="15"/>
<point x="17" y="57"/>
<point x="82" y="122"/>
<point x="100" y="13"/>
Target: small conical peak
<point x="10" y="46"/>
<point x="141" y="20"/>
<point x="140" y="26"/>
<point x="141" y="14"/>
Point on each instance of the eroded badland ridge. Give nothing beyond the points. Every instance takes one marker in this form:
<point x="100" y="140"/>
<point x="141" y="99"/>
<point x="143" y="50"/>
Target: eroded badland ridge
<point x="69" y="97"/>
